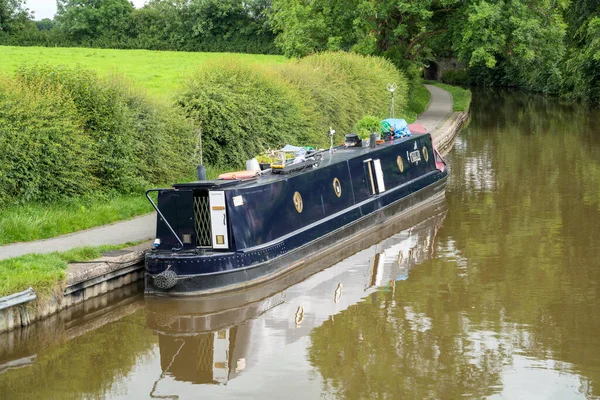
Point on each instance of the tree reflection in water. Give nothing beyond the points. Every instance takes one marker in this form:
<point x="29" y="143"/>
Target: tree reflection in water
<point x="514" y="284"/>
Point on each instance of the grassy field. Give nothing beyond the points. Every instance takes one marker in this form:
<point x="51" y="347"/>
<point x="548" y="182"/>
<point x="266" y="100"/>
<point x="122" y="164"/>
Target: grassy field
<point x="160" y="72"/>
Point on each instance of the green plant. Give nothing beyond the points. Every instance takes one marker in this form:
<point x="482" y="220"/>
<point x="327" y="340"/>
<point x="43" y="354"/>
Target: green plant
<point x="242" y="109"/>
<point x="368" y="125"/>
<point x="67" y="132"/>
<point x="455" y="77"/>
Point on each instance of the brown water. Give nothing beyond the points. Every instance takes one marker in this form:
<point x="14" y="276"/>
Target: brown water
<point x="492" y="293"/>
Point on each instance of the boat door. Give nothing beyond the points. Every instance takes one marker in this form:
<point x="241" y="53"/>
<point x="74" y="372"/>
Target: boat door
<point x="375" y="175"/>
<point x="218" y="219"/>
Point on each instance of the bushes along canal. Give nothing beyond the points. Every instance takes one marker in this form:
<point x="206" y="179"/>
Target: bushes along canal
<point x="73" y="140"/>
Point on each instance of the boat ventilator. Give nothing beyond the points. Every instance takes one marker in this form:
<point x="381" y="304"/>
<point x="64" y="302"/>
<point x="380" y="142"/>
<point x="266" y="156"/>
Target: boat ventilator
<point x="202" y="220"/>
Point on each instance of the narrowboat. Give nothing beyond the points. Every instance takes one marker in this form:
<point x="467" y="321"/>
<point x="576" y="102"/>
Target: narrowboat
<point x="224" y="335"/>
<point x="225" y="234"/>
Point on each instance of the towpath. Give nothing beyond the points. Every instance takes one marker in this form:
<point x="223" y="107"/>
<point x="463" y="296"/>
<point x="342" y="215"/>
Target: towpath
<point x="142" y="228"/>
<point x="439" y="109"/>
<point x="133" y="230"/>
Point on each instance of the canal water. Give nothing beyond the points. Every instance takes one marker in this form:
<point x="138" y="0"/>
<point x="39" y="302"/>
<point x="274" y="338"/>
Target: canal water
<point x="493" y="292"/>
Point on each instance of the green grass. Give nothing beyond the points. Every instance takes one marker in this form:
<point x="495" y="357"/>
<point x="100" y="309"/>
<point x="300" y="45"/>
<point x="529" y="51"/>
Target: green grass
<point x="462" y="97"/>
<point x="418" y="100"/>
<point x="161" y="73"/>
<point x="35" y="221"/>
<point x="44" y="272"/>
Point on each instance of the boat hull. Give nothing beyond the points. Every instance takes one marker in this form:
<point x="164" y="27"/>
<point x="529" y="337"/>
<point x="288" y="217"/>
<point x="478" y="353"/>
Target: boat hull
<point x="277" y="259"/>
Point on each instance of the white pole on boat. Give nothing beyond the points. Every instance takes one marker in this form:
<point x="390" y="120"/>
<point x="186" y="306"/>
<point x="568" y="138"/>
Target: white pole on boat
<point x="331" y="133"/>
<point x="391" y="87"/>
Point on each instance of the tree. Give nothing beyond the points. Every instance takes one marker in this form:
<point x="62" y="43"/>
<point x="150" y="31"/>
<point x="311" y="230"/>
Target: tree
<point x="92" y="19"/>
<point x="45" y="24"/>
<point x="13" y="15"/>
<point x="518" y="42"/>
<point x="582" y="66"/>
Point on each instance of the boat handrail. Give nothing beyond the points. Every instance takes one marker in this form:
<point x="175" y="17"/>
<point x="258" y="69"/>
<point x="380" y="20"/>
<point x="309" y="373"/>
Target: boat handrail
<point x="163" y="217"/>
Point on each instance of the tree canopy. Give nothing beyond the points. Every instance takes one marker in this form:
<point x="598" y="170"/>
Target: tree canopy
<point x="13" y="15"/>
<point x="546" y="46"/>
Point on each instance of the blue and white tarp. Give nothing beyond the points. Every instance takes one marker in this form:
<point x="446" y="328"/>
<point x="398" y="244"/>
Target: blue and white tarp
<point x="399" y="126"/>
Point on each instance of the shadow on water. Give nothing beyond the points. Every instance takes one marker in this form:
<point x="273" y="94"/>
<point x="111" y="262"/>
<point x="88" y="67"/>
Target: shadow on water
<point x="493" y="293"/>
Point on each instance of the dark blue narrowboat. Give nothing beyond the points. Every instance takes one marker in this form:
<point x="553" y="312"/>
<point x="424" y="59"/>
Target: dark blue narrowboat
<point x="219" y="235"/>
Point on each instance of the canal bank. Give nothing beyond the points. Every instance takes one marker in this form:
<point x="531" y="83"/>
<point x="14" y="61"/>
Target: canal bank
<point x="500" y="303"/>
<point x="90" y="279"/>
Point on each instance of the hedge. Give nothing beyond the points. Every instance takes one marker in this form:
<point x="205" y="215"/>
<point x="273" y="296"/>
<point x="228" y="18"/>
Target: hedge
<point x="67" y="132"/>
<point x="242" y="110"/>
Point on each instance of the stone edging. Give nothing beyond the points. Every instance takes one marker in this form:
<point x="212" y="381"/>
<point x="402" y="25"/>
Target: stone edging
<point x="84" y="281"/>
<point x="444" y="136"/>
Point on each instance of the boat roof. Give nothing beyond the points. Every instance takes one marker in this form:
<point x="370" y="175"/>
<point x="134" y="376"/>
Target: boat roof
<point x="339" y="155"/>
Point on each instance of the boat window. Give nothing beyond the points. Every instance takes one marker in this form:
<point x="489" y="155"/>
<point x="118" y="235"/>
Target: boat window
<point x="337" y="187"/>
<point x="298" y="202"/>
<point x="425" y="154"/>
<point x="400" y="164"/>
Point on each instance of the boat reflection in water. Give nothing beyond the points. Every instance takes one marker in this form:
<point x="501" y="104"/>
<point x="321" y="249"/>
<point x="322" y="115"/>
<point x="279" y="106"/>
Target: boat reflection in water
<point x="211" y="340"/>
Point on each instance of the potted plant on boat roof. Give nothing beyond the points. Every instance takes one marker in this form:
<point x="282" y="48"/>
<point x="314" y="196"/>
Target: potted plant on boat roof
<point x="366" y="126"/>
<point x="266" y="159"/>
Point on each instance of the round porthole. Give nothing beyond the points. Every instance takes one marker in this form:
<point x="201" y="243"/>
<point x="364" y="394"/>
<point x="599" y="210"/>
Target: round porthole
<point x="298" y="202"/>
<point x="425" y="154"/>
<point x="400" y="163"/>
<point x="337" y="187"/>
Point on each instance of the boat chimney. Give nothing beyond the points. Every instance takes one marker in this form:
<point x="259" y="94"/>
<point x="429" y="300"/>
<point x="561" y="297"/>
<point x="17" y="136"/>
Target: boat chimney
<point x="200" y="168"/>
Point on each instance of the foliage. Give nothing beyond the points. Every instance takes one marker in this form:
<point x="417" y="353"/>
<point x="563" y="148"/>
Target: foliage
<point x="418" y="100"/>
<point x="549" y="47"/>
<point x="243" y="110"/>
<point x="200" y="25"/>
<point x="399" y="29"/>
<point x="455" y="77"/>
<point x="69" y="132"/>
<point x="305" y="27"/>
<point x="45" y="153"/>
<point x="204" y="25"/>
<point x="367" y="125"/>
<point x="13" y="15"/>
<point x="93" y="19"/>
<point x="582" y="66"/>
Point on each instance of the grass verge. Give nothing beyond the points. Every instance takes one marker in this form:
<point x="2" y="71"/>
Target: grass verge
<point x="418" y="100"/>
<point x="462" y="97"/>
<point x="34" y="221"/>
<point x="23" y="223"/>
<point x="44" y="272"/>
